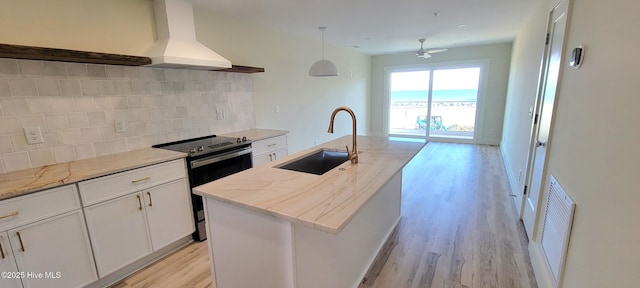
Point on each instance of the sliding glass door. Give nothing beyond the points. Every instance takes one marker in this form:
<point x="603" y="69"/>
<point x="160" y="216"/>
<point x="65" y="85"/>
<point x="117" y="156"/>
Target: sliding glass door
<point x="438" y="103"/>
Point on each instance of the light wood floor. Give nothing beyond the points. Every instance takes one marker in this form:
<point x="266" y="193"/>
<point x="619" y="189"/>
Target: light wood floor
<point x="458" y="229"/>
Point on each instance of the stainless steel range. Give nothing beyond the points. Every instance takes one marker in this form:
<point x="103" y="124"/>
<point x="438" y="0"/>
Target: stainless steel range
<point x="210" y="158"/>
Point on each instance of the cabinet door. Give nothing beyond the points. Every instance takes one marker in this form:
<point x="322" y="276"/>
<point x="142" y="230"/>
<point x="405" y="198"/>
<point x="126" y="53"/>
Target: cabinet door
<point x="8" y="264"/>
<point x="56" y="251"/>
<point x="169" y="212"/>
<point x="118" y="231"/>
<point x="262" y="159"/>
<point x="280" y="153"/>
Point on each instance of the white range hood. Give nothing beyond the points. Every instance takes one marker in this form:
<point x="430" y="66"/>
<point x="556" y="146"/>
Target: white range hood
<point x="177" y="46"/>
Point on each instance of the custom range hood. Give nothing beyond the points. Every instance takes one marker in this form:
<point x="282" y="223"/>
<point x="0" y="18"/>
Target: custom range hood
<point x="177" y="46"/>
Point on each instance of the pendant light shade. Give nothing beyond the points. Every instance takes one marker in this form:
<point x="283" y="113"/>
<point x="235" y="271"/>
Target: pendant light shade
<point x="323" y="68"/>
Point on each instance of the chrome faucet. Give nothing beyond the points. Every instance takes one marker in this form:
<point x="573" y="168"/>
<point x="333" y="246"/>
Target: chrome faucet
<point x="353" y="155"/>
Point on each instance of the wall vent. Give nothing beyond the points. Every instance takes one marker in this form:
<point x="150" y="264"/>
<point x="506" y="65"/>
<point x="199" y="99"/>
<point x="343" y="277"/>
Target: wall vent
<point x="556" y="231"/>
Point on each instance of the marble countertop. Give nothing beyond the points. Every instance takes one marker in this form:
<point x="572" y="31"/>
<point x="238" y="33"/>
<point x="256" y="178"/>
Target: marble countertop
<point x="324" y="202"/>
<point x="26" y="181"/>
<point x="256" y="134"/>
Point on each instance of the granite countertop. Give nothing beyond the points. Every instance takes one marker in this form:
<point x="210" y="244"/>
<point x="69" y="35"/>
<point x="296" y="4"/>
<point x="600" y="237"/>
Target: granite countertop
<point x="26" y="181"/>
<point x="324" y="202"/>
<point x="256" y="134"/>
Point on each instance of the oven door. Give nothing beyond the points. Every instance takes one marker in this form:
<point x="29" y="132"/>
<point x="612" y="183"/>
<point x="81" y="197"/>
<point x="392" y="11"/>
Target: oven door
<point x="206" y="169"/>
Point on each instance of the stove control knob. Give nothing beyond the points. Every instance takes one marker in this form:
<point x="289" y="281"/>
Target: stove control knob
<point x="201" y="148"/>
<point x="193" y="150"/>
<point x="238" y="140"/>
<point x="244" y="139"/>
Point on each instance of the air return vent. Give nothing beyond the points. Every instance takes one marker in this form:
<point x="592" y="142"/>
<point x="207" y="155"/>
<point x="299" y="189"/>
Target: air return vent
<point x="557" y="228"/>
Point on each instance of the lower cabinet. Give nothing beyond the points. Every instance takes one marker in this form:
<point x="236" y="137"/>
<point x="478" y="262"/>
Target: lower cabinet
<point x="54" y="252"/>
<point x="130" y="227"/>
<point x="269" y="149"/>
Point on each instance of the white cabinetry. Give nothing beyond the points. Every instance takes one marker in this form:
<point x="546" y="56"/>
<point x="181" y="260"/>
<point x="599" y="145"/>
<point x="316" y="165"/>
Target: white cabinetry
<point x="269" y="149"/>
<point x="131" y="214"/>
<point x="44" y="241"/>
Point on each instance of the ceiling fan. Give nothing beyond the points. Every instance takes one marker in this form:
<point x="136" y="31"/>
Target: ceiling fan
<point x="426" y="53"/>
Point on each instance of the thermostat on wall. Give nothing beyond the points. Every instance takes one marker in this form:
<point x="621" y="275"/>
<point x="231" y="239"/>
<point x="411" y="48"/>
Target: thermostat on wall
<point x="577" y="56"/>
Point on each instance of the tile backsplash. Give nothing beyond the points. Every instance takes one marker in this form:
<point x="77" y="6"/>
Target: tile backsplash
<point x="77" y="105"/>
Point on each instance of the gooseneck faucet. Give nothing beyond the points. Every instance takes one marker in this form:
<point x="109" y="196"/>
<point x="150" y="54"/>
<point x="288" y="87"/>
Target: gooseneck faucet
<point x="353" y="155"/>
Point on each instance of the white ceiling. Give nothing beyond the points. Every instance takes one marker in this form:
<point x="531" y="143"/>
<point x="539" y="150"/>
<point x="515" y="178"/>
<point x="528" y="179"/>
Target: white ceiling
<point x="385" y="26"/>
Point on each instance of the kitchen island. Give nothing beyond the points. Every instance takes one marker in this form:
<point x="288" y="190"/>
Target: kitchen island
<point x="271" y="227"/>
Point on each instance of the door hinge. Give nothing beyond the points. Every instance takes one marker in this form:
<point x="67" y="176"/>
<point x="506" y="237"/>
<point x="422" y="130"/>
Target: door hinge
<point x="546" y="41"/>
<point x="535" y="119"/>
<point x="525" y="190"/>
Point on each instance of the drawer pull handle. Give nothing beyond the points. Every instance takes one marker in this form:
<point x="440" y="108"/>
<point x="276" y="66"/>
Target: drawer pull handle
<point x="270" y="157"/>
<point x="275" y="156"/>
<point x="139" y="202"/>
<point x="1" y="249"/>
<point x="20" y="239"/>
<point x="14" y="213"/>
<point x="271" y="145"/>
<point x="141" y="180"/>
<point x="150" y="202"/>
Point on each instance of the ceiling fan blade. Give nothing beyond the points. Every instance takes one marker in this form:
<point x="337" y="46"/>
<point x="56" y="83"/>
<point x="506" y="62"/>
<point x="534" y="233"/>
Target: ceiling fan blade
<point x="424" y="55"/>
<point x="437" y="50"/>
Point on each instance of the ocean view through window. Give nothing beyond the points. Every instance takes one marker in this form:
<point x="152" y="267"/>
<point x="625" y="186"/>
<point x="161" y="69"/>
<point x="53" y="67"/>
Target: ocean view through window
<point x="448" y="110"/>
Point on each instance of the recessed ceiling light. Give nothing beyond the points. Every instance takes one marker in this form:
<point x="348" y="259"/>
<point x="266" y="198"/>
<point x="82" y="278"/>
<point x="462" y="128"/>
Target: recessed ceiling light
<point x="356" y="46"/>
<point x="367" y="38"/>
<point x="463" y="26"/>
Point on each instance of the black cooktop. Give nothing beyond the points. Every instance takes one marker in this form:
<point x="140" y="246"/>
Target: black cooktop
<point x="205" y="145"/>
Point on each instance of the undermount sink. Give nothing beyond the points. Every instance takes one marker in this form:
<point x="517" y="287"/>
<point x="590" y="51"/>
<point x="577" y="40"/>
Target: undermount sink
<point x="317" y="163"/>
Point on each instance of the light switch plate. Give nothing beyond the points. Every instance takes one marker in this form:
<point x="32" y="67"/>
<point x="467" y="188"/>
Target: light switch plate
<point x="33" y="135"/>
<point x="121" y="126"/>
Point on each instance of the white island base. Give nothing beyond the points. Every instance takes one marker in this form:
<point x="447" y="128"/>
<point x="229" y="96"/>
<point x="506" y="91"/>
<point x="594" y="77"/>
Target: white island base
<point x="253" y="249"/>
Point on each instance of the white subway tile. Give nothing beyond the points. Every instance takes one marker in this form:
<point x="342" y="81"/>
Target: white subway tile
<point x="41" y="157"/>
<point x="32" y="121"/>
<point x="102" y="102"/>
<point x="56" y="121"/>
<point x="5" y="145"/>
<point x="119" y="102"/>
<point x="108" y="87"/>
<point x="119" y="145"/>
<point x="77" y="70"/>
<point x="90" y="135"/>
<point x="90" y="87"/>
<point x="78" y="120"/>
<point x="97" y="71"/>
<point x="124" y="87"/>
<point x="83" y="103"/>
<point x="55" y="69"/>
<point x="70" y="87"/>
<point x="16" y="161"/>
<point x="5" y="88"/>
<point x="23" y="87"/>
<point x="84" y="151"/>
<point x="31" y="67"/>
<point x="10" y="125"/>
<point x="64" y="153"/>
<point x="51" y="139"/>
<point x="41" y="104"/>
<point x="71" y="136"/>
<point x="114" y="71"/>
<point x="14" y="106"/>
<point x="9" y="67"/>
<point x="103" y="148"/>
<point x="19" y="143"/>
<point x="63" y="104"/>
<point x="48" y="87"/>
<point x="131" y="72"/>
<point x="97" y="119"/>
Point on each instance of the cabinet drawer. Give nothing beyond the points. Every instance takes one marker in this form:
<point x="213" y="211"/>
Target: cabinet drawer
<point x="269" y="144"/>
<point x="37" y="206"/>
<point x="108" y="187"/>
<point x="269" y="157"/>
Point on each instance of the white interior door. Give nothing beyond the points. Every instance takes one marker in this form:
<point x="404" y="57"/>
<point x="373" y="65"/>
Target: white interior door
<point x="541" y="133"/>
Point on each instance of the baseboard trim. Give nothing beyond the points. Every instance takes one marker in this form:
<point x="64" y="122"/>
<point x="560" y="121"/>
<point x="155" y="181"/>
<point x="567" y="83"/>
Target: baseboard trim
<point x="540" y="268"/>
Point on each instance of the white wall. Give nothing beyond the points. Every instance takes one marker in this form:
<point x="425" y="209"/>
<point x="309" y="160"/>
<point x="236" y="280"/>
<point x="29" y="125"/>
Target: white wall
<point x="593" y="150"/>
<point x="491" y="113"/>
<point x="305" y="102"/>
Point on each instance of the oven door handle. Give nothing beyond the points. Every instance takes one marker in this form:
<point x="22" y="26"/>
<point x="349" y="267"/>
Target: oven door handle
<point x="218" y="158"/>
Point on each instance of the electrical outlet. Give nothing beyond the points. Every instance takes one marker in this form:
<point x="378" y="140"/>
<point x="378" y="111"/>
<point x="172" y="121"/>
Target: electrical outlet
<point x="225" y="114"/>
<point x="33" y="135"/>
<point x="121" y="127"/>
<point x="276" y="108"/>
<point x="219" y="114"/>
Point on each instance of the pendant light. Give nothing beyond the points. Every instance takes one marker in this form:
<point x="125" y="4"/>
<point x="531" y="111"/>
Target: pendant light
<point x="323" y="68"/>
